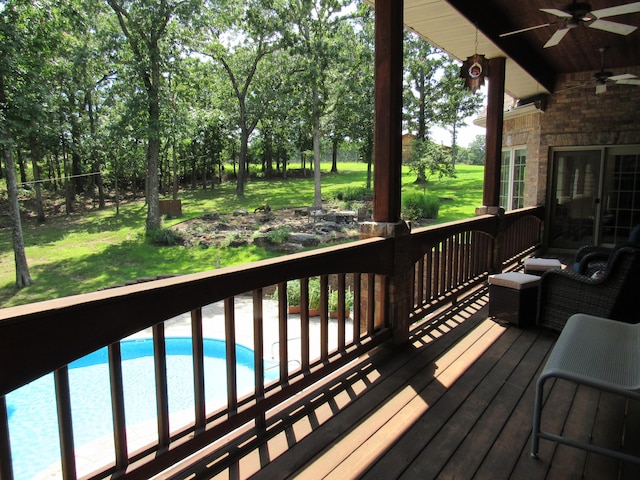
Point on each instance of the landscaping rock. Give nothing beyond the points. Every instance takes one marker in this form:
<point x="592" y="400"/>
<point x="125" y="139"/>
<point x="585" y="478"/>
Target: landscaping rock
<point x="304" y="239"/>
<point x="242" y="228"/>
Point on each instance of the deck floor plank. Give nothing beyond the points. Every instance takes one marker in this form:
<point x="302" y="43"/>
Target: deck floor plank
<point x="411" y="445"/>
<point x="457" y="402"/>
<point x="441" y="451"/>
<point x="405" y="412"/>
<point x="515" y="437"/>
<point x="489" y="429"/>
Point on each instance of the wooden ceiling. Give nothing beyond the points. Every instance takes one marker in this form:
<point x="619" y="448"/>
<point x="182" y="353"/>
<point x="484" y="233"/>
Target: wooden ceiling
<point x="531" y="68"/>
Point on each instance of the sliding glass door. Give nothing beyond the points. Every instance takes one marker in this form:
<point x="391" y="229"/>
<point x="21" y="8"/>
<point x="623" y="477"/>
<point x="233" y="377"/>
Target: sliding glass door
<point x="621" y="194"/>
<point x="574" y="202"/>
<point x="594" y="196"/>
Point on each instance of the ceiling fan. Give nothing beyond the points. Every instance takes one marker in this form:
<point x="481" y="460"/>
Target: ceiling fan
<point x="602" y="77"/>
<point x="578" y="13"/>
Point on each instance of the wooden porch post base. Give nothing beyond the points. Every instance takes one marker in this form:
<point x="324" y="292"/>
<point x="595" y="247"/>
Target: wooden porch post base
<point x="484" y="210"/>
<point x="397" y="307"/>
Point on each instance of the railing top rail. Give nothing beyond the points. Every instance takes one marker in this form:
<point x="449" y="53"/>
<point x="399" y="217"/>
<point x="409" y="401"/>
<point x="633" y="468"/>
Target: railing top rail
<point x="44" y="336"/>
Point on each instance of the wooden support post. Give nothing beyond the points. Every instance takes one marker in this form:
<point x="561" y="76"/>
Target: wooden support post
<point x="388" y="163"/>
<point x="495" y="116"/>
<point x="388" y="110"/>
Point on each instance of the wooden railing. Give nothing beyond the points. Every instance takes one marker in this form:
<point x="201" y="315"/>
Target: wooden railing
<point x="450" y="259"/>
<point x="46" y="337"/>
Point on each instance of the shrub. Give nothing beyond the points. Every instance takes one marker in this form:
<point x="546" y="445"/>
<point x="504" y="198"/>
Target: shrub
<point x="354" y="194"/>
<point x="417" y="205"/>
<point x="279" y="235"/>
<point x="293" y="293"/>
<point x="333" y="300"/>
<point x="163" y="237"/>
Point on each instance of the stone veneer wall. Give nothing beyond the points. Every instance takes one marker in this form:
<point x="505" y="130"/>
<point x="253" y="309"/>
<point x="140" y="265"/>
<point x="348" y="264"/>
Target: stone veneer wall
<point x="574" y="117"/>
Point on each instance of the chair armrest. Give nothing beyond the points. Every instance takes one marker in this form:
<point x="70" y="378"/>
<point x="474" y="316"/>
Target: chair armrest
<point x="564" y="292"/>
<point x="592" y="249"/>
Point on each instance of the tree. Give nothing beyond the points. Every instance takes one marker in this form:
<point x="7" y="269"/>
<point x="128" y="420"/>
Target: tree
<point x="14" y="34"/>
<point x="476" y="150"/>
<point x="422" y="65"/>
<point x="314" y="42"/>
<point x="145" y="25"/>
<point x="456" y="103"/>
<point x="355" y="97"/>
<point x="257" y="24"/>
<point x="431" y="159"/>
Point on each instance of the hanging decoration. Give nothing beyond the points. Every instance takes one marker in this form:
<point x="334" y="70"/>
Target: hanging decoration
<point x="474" y="69"/>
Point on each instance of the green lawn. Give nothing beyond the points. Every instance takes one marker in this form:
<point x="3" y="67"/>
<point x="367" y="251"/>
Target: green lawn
<point x="81" y="253"/>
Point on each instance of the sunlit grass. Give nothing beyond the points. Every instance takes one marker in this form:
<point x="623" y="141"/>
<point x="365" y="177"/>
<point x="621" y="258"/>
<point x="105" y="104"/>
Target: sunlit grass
<point x="76" y="254"/>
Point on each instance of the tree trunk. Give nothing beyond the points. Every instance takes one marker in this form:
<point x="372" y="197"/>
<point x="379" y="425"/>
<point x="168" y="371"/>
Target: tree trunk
<point x="95" y="162"/>
<point x="77" y="182"/>
<point x="454" y="149"/>
<point x="317" y="174"/>
<point x="175" y="171"/>
<point x="369" y="160"/>
<point x="334" y="155"/>
<point x="23" y="170"/>
<point x="23" y="278"/>
<point x="242" y="162"/>
<point x="35" y="159"/>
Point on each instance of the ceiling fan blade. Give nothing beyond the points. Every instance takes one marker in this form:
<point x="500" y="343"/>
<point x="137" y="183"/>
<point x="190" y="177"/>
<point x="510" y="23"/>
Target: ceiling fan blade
<point x="631" y="81"/>
<point x="613" y="27"/>
<point x="557" y="37"/>
<point x="619" y="10"/>
<point x="623" y="76"/>
<point x="524" y="30"/>
<point x="556" y="12"/>
<point x="601" y="88"/>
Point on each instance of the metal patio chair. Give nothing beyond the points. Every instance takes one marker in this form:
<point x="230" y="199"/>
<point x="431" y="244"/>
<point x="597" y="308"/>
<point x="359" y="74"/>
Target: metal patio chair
<point x="597" y="352"/>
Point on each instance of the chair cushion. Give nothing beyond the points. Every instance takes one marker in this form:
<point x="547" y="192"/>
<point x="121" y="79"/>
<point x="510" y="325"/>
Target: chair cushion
<point x="542" y="264"/>
<point x="514" y="280"/>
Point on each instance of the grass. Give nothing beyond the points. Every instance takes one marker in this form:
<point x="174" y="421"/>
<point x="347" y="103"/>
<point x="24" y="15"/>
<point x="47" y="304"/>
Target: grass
<point x="81" y="253"/>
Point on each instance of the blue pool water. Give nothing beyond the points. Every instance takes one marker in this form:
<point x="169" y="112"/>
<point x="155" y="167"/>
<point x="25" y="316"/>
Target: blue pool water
<point x="32" y="409"/>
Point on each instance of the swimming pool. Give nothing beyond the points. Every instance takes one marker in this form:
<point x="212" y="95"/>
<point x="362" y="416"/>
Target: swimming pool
<point x="32" y="410"/>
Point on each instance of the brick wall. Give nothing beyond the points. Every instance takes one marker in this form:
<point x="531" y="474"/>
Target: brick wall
<point x="574" y="116"/>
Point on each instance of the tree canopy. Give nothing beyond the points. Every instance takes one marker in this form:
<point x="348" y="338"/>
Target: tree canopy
<point x="150" y="96"/>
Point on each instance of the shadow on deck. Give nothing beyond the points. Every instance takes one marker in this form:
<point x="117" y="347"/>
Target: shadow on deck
<point x="455" y="403"/>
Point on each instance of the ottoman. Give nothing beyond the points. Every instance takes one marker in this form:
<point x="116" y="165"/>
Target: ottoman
<point x="513" y="297"/>
<point x="537" y="266"/>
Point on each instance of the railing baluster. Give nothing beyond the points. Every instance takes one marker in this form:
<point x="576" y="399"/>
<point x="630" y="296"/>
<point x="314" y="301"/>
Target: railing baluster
<point x="371" y="302"/>
<point x="65" y="423"/>
<point x="418" y="292"/>
<point x="437" y="267"/>
<point x="283" y="337"/>
<point x="117" y="406"/>
<point x="357" y="305"/>
<point x="342" y="285"/>
<point x="448" y="271"/>
<point x="258" y="342"/>
<point x="6" y="467"/>
<point x="258" y="350"/>
<point x="304" y="324"/>
<point x="467" y="254"/>
<point x="197" y="352"/>
<point x="230" y="343"/>
<point x="428" y="295"/>
<point x="324" y="318"/>
<point x="162" y="395"/>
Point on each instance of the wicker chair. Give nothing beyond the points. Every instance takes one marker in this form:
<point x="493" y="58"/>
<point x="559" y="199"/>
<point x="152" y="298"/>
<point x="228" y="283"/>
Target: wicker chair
<point x="610" y="293"/>
<point x="591" y="258"/>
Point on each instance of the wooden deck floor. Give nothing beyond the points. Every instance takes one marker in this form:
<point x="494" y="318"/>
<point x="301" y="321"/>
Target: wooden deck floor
<point x="456" y="403"/>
